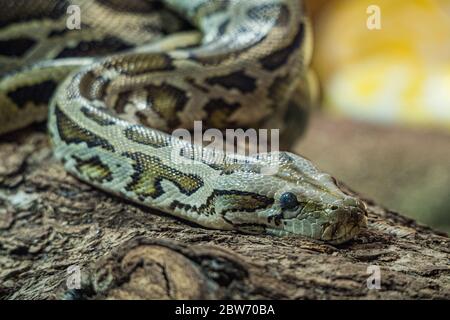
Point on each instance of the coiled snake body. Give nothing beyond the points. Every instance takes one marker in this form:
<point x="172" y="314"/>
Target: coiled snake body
<point x="108" y="110"/>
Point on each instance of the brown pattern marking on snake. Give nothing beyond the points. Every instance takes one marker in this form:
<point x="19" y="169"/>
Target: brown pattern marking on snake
<point x="70" y="132"/>
<point x="98" y="116"/>
<point x="61" y="31"/>
<point x="39" y="93"/>
<point x="16" y="47"/>
<point x="93" y="169"/>
<point x="235" y="80"/>
<point x="284" y="16"/>
<point x="195" y="85"/>
<point x="166" y="100"/>
<point x="230" y="200"/>
<point x="149" y="172"/>
<point x="123" y="99"/>
<point x="93" y="86"/>
<point x="142" y="135"/>
<point x="218" y="113"/>
<point x="228" y="168"/>
<point x="277" y="90"/>
<point x="132" y="6"/>
<point x="95" y="48"/>
<point x="278" y="58"/>
<point x="12" y="11"/>
<point x="153" y="18"/>
<point x="140" y="63"/>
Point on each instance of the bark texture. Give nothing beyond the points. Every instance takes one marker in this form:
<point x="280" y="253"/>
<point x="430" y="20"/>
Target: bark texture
<point x="50" y="221"/>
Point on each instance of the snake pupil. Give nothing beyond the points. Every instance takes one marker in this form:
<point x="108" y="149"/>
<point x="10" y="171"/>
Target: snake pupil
<point x="288" y="200"/>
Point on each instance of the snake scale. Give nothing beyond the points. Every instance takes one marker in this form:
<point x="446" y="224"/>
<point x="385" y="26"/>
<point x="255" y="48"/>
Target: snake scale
<point x="137" y="69"/>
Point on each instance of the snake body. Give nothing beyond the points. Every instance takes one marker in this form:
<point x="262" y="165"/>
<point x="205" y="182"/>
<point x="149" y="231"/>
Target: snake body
<point x="113" y="98"/>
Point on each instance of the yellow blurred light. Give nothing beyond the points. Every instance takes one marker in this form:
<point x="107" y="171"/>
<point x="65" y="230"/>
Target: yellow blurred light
<point x="398" y="74"/>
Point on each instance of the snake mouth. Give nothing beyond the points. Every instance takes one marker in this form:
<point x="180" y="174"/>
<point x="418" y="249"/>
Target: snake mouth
<point x="348" y="224"/>
<point x="345" y="223"/>
<point x="350" y="232"/>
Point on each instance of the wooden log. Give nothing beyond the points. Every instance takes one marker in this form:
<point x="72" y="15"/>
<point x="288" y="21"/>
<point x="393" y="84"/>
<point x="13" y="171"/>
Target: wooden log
<point x="49" y="221"/>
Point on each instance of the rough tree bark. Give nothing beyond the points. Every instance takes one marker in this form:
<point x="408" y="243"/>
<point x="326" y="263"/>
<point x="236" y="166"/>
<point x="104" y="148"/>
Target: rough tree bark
<point x="50" y="221"/>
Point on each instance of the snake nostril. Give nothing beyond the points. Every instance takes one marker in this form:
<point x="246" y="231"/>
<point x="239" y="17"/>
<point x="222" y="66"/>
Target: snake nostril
<point x="334" y="208"/>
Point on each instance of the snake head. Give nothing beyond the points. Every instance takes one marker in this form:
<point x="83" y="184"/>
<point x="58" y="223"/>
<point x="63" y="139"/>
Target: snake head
<point x="311" y="204"/>
<point x="305" y="202"/>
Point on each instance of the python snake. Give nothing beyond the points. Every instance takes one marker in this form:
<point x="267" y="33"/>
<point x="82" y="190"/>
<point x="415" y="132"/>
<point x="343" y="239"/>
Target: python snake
<point x="131" y="71"/>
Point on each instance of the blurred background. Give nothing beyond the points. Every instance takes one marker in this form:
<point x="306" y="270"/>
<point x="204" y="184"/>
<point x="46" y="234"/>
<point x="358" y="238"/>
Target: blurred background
<point x="383" y="124"/>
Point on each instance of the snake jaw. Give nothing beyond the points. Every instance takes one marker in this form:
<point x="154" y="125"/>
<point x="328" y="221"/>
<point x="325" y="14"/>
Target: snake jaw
<point x="347" y="223"/>
<point x="335" y="222"/>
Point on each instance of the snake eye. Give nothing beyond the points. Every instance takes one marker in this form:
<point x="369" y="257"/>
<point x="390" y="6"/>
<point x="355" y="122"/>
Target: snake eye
<point x="288" y="201"/>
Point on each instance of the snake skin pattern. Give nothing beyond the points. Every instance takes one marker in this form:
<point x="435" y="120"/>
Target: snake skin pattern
<point x="137" y="69"/>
